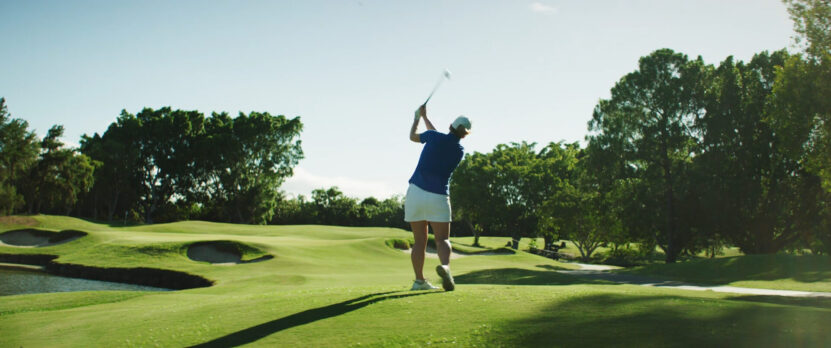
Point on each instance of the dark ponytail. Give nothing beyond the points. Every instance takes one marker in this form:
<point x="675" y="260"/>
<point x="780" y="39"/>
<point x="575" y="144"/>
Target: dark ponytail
<point x="456" y="132"/>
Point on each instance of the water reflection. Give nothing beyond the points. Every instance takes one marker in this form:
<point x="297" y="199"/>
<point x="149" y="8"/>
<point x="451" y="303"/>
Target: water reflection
<point x="15" y="281"/>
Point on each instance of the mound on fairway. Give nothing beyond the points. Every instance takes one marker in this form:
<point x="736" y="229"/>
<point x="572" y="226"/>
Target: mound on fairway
<point x="223" y="252"/>
<point x="405" y="245"/>
<point x="18" y="220"/>
<point x="39" y="238"/>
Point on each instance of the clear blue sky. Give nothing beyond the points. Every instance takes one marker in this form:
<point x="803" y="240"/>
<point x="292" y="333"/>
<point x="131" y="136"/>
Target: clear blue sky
<point x="355" y="71"/>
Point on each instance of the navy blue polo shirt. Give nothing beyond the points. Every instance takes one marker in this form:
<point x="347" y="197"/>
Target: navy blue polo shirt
<point x="439" y="157"/>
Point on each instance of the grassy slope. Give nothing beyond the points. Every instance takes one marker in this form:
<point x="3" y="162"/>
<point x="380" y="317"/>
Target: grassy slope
<point x="332" y="286"/>
<point x="781" y="271"/>
<point x="495" y="242"/>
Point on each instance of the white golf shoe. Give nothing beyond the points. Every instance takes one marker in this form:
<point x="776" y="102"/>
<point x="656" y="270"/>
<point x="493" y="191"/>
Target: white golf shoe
<point x="419" y="285"/>
<point x="446" y="279"/>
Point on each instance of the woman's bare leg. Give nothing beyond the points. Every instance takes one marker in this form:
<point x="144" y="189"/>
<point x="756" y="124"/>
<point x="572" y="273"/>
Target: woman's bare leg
<point x="441" y="230"/>
<point x="419" y="248"/>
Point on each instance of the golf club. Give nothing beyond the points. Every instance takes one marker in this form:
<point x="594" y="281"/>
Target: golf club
<point x="444" y="76"/>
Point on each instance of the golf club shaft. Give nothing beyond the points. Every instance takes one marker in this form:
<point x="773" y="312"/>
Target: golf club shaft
<point x="434" y="90"/>
<point x="444" y="76"/>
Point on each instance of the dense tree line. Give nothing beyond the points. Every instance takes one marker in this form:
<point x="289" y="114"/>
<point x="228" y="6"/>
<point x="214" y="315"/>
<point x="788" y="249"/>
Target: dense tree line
<point x="39" y="174"/>
<point x="157" y="165"/>
<point x="684" y="156"/>
<point x="169" y="165"/>
<point x="331" y="207"/>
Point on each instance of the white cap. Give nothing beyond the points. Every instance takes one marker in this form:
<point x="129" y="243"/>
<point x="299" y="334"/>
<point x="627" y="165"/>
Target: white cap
<point x="462" y="121"/>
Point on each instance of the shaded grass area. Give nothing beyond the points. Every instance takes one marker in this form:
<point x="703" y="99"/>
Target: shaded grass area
<point x="521" y="276"/>
<point x="662" y="320"/>
<point x="818" y="302"/>
<point x="781" y="271"/>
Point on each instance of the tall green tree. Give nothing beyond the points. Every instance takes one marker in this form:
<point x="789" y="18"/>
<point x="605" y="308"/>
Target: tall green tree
<point x="119" y="162"/>
<point x="502" y="192"/>
<point x="651" y="112"/>
<point x="605" y="161"/>
<point x="59" y="178"/>
<point x="146" y="159"/>
<point x="18" y="151"/>
<point x="165" y="146"/>
<point x="178" y="164"/>
<point x="812" y="23"/>
<point x="800" y="111"/>
<point x="515" y="189"/>
<point x="577" y="206"/>
<point x="556" y="169"/>
<point x="586" y="218"/>
<point x="245" y="160"/>
<point x="802" y="93"/>
<point x="469" y="198"/>
<point x="752" y="186"/>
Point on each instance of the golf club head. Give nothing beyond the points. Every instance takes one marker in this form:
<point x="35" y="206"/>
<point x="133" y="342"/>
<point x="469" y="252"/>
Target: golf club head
<point x="445" y="76"/>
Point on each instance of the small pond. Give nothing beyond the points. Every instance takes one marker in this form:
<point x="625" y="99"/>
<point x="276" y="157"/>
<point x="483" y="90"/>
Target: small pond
<point x="15" y="281"/>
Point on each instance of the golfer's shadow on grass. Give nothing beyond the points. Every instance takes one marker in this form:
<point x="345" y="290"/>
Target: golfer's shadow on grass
<point x="255" y="333"/>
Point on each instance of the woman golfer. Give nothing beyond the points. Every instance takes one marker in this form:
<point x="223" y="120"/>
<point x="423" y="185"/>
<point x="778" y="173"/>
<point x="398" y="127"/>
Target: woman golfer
<point x="428" y="201"/>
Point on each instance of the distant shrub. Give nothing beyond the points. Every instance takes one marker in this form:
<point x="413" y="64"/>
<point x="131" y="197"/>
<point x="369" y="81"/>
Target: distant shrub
<point x="402" y="244"/>
<point x="623" y="257"/>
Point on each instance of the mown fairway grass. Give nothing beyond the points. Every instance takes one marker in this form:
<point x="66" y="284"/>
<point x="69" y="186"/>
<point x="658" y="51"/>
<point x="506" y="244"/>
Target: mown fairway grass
<point x="335" y="286"/>
<point x="780" y="271"/>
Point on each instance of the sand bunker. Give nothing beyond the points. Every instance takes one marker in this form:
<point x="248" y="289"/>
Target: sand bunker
<point x="220" y="252"/>
<point x="39" y="238"/>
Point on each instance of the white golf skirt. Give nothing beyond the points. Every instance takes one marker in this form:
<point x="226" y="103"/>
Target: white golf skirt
<point x="421" y="205"/>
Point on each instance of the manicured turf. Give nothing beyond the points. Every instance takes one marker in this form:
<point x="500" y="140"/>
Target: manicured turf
<point x="780" y="271"/>
<point x="524" y="243"/>
<point x="336" y="286"/>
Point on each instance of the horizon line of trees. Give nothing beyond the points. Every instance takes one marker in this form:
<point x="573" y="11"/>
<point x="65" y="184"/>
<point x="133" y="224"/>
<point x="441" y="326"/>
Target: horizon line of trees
<point x="166" y="165"/>
<point x="161" y="164"/>
<point x="685" y="156"/>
